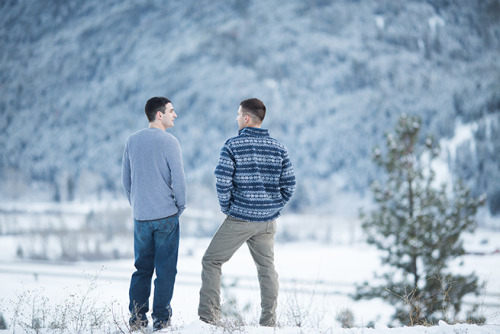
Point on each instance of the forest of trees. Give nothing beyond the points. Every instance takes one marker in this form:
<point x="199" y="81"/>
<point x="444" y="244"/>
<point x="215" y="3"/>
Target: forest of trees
<point x="74" y="77"/>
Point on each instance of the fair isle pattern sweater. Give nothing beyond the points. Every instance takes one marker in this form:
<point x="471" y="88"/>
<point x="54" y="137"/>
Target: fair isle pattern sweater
<point x="255" y="177"/>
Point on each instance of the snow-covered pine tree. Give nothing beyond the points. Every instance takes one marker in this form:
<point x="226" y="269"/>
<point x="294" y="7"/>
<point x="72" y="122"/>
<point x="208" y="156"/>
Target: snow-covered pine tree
<point x="417" y="226"/>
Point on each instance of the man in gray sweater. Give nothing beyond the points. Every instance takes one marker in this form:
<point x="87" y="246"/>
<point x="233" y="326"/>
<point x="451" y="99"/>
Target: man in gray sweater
<point x="155" y="185"/>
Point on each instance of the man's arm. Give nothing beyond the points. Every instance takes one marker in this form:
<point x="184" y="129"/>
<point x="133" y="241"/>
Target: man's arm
<point x="287" y="179"/>
<point x="224" y="178"/>
<point x="178" y="177"/>
<point x="126" y="177"/>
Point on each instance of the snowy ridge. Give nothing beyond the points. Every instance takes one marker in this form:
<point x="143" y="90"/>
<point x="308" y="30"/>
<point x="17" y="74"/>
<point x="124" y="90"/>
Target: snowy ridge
<point x="334" y="76"/>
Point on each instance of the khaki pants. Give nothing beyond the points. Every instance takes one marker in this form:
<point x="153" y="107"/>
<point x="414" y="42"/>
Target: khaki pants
<point x="226" y="241"/>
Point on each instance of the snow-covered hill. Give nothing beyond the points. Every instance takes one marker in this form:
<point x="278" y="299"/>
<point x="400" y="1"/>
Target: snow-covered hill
<point x="74" y="77"/>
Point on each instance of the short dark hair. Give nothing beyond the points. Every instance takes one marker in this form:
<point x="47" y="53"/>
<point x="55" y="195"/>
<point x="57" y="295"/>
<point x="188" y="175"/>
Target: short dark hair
<point x="155" y="104"/>
<point x="255" y="108"/>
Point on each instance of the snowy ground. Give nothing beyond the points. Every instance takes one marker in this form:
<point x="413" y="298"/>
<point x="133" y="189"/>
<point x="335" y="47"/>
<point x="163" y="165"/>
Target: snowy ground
<point x="315" y="280"/>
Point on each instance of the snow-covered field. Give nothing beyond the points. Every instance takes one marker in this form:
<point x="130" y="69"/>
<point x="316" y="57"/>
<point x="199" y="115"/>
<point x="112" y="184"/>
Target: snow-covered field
<point x="315" y="280"/>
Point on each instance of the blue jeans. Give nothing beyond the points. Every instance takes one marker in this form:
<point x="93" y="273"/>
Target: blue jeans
<point x="156" y="246"/>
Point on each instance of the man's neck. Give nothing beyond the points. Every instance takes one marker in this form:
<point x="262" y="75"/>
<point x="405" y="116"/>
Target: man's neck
<point x="252" y="125"/>
<point x="156" y="125"/>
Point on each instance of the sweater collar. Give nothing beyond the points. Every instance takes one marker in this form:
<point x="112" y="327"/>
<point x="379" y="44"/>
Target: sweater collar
<point x="248" y="131"/>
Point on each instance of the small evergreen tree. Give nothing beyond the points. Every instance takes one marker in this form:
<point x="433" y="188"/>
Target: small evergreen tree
<point x="417" y="227"/>
<point x="3" y="323"/>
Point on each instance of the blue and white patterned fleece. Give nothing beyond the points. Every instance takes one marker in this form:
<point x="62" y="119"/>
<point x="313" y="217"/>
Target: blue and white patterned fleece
<point x="255" y="177"/>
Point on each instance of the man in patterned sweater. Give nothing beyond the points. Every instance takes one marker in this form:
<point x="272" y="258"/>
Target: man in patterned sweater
<point x="255" y="180"/>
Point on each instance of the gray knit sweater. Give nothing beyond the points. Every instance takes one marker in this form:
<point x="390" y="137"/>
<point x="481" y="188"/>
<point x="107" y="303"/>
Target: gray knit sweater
<point x="153" y="174"/>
